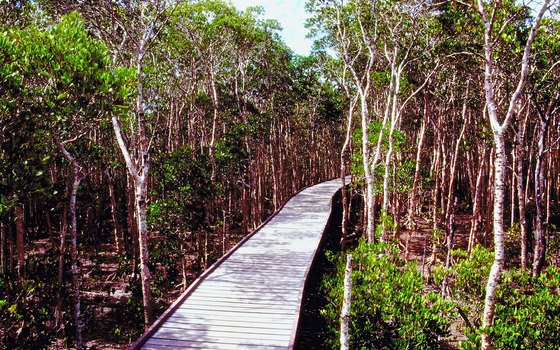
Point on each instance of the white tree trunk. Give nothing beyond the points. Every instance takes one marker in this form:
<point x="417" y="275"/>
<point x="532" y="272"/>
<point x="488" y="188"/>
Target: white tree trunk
<point x="140" y="183"/>
<point x="498" y="227"/>
<point x="346" y="305"/>
<point x="215" y="104"/>
<point x="370" y="209"/>
<point x="520" y="156"/>
<point x="344" y="153"/>
<point x="76" y="275"/>
<point x="498" y="130"/>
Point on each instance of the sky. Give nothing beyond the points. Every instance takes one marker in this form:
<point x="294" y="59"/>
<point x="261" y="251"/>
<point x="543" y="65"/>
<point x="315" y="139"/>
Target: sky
<point x="291" y="15"/>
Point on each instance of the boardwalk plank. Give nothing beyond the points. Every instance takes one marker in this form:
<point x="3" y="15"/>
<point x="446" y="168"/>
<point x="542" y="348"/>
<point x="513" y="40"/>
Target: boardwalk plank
<point x="208" y="334"/>
<point x="251" y="298"/>
<point x="226" y="344"/>
<point x="273" y="320"/>
<point x="239" y="326"/>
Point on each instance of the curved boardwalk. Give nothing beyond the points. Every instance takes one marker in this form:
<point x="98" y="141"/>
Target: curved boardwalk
<point x="250" y="299"/>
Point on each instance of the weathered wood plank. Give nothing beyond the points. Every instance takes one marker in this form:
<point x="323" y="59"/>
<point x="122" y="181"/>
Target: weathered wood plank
<point x="240" y="324"/>
<point x="258" y="300"/>
<point x="251" y="298"/>
<point x="237" y="309"/>
<point x="247" y="328"/>
<point x="277" y="320"/>
<point x="226" y="344"/>
<point x="208" y="334"/>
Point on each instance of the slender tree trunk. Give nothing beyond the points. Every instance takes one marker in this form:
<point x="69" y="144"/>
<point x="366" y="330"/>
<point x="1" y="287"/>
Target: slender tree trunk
<point x="453" y="170"/>
<point x="214" y="123"/>
<point x="450" y="236"/>
<point x="450" y="228"/>
<point x="49" y="228"/>
<point x="476" y="213"/>
<point x="435" y="200"/>
<point x="2" y="248"/>
<point x="20" y="239"/>
<point x="397" y="198"/>
<point x="498" y="130"/>
<point x="140" y="183"/>
<point x="184" y="267"/>
<point x="392" y="104"/>
<point x="344" y="153"/>
<point x="138" y="168"/>
<point x="369" y="191"/>
<point x="132" y="224"/>
<point x="498" y="226"/>
<point x="117" y="231"/>
<point x="141" y="198"/>
<point x="540" y="236"/>
<point x="77" y="177"/>
<point x="244" y="207"/>
<point x="471" y="171"/>
<point x="512" y="191"/>
<point x="363" y="85"/>
<point x="76" y="276"/>
<point x="540" y="182"/>
<point x="412" y="204"/>
<point x="549" y="180"/>
<point x="520" y="157"/>
<point x="275" y="175"/>
<point x="346" y="305"/>
<point x="60" y="280"/>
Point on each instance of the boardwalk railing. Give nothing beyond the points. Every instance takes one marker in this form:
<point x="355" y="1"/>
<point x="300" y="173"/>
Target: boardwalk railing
<point x="251" y="297"/>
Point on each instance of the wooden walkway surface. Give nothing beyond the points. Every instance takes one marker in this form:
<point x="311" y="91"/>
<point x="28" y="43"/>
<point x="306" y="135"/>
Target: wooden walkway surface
<point x="251" y="298"/>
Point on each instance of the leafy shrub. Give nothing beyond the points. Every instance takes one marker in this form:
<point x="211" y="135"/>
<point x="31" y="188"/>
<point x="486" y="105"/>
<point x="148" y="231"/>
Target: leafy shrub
<point x="390" y="307"/>
<point x="512" y="246"/>
<point x="466" y="278"/>
<point x="526" y="307"/>
<point x="527" y="311"/>
<point x="27" y="306"/>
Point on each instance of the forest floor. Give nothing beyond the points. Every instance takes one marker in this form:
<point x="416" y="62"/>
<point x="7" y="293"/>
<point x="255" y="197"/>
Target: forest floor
<point x="105" y="299"/>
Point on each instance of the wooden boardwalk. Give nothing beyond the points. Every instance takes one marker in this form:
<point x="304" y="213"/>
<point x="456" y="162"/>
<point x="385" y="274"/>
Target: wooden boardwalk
<point x="250" y="299"/>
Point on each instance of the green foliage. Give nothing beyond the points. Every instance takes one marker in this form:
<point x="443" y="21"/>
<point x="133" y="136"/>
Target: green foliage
<point x="27" y="307"/>
<point x="390" y="307"/>
<point x="526" y="307"/>
<point x="131" y="313"/>
<point x="390" y="225"/>
<point x="182" y="188"/>
<point x="231" y="151"/>
<point x="57" y="84"/>
<point x="467" y="277"/>
<point x="512" y="244"/>
<point x="65" y="76"/>
<point x="527" y="311"/>
<point x="405" y="175"/>
<point x="404" y="168"/>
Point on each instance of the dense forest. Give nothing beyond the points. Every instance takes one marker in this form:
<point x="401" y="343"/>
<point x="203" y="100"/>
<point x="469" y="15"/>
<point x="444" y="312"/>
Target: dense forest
<point x="141" y="140"/>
